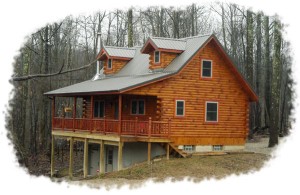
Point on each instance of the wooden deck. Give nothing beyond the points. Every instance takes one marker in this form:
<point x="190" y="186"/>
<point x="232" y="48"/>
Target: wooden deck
<point x="111" y="128"/>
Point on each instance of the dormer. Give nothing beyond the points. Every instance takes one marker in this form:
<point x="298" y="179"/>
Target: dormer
<point x="115" y="58"/>
<point x="162" y="51"/>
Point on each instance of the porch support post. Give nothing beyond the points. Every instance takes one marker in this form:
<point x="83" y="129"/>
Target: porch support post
<point x="71" y="158"/>
<point x="120" y="114"/>
<point x="168" y="151"/>
<point x="52" y="155"/>
<point x="102" y="163"/>
<point x="85" y="158"/>
<point x="92" y="114"/>
<point x="149" y="153"/>
<point x="53" y="112"/>
<point x="74" y="113"/>
<point x="120" y="156"/>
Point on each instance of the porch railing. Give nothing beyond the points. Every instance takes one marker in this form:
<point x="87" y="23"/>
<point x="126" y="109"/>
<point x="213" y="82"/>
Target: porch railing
<point x="109" y="126"/>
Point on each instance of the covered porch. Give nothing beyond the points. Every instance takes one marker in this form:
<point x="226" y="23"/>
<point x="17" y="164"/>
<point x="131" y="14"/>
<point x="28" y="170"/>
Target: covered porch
<point x="123" y="115"/>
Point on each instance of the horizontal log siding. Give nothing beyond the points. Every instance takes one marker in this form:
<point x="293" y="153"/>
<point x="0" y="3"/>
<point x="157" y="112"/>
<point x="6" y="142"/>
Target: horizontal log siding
<point x="188" y="85"/>
<point x="116" y="66"/>
<point x="165" y="59"/>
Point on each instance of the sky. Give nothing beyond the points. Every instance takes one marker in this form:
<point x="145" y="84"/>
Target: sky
<point x="19" y="19"/>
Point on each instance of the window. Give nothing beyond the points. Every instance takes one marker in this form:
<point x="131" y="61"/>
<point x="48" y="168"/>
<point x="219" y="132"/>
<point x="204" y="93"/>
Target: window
<point x="156" y="57"/>
<point x="188" y="148"/>
<point x="211" y="112"/>
<point x="217" y="147"/>
<point x="179" y="107"/>
<point x="138" y="107"/>
<point x="98" y="109"/>
<point x="206" y="70"/>
<point x="109" y="64"/>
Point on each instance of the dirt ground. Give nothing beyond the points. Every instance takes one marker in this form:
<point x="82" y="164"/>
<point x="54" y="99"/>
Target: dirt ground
<point x="197" y="168"/>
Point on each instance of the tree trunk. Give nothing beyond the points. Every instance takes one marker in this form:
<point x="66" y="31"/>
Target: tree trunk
<point x="130" y="29"/>
<point x="275" y="87"/>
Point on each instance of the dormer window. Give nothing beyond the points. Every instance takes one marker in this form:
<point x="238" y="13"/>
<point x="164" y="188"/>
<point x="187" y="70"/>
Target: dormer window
<point x="156" y="57"/>
<point x="206" y="69"/>
<point x="109" y="64"/>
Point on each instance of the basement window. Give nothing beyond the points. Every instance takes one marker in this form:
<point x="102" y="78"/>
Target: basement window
<point x="206" y="69"/>
<point x="156" y="56"/>
<point x="189" y="148"/>
<point x="109" y="64"/>
<point x="211" y="112"/>
<point x="217" y="147"/>
<point x="138" y="107"/>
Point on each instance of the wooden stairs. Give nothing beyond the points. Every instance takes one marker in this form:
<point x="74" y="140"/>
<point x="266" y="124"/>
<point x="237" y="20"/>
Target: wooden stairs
<point x="178" y="152"/>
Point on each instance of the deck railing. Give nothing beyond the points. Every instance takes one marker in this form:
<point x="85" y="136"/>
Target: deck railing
<point x="109" y="126"/>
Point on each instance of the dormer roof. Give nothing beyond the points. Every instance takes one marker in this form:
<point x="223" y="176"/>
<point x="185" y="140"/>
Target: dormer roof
<point x="164" y="44"/>
<point x="116" y="52"/>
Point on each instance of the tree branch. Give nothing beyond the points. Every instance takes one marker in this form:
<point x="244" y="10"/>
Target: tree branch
<point x="23" y="78"/>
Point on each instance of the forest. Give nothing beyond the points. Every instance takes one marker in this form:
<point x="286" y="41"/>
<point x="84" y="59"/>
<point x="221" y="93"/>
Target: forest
<point x="64" y="53"/>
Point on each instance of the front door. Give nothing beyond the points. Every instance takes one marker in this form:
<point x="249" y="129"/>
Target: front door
<point x="116" y="111"/>
<point x="109" y="158"/>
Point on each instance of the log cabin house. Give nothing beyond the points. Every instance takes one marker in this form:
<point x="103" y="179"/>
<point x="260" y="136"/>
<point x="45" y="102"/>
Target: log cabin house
<point x="170" y="95"/>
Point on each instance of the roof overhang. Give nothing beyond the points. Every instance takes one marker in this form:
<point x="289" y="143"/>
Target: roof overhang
<point x="103" y="55"/>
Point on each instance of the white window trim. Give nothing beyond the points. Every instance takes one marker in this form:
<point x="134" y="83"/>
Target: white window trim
<point x="108" y="64"/>
<point x="211" y="69"/>
<point x="183" y="108"/>
<point x="217" y="111"/>
<point x="138" y="100"/>
<point x="99" y="112"/>
<point x="217" y="148"/>
<point x="158" y="57"/>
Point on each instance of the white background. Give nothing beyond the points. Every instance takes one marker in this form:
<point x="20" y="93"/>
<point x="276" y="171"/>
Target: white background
<point x="20" y="18"/>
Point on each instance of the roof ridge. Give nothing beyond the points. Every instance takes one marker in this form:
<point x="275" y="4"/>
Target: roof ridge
<point x="167" y="38"/>
<point x="196" y="36"/>
<point x="116" y="47"/>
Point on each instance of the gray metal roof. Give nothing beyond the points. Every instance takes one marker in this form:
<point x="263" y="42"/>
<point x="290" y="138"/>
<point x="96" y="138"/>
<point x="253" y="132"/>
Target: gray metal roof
<point x="167" y="43"/>
<point x="136" y="72"/>
<point x="120" y="51"/>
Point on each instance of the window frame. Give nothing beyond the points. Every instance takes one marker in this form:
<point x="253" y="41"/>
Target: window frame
<point x="158" y="57"/>
<point x="216" y="102"/>
<point x="211" y="69"/>
<point x="189" y="148"/>
<point x="176" y="114"/>
<point x="217" y="148"/>
<point x="111" y="64"/>
<point x="99" y="109"/>
<point x="137" y="108"/>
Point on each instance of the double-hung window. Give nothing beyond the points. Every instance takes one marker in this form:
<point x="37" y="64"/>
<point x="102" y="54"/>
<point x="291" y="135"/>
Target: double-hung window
<point x="138" y="107"/>
<point x="109" y="64"/>
<point x="206" y="69"/>
<point x="179" y="108"/>
<point x="156" y="57"/>
<point x="211" y="114"/>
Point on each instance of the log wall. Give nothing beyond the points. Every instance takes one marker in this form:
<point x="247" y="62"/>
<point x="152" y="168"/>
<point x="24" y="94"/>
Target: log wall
<point x="223" y="87"/>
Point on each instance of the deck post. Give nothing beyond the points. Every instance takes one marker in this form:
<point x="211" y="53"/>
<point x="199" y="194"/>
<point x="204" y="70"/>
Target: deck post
<point x="85" y="158"/>
<point x="102" y="163"/>
<point x="120" y="114"/>
<point x="120" y="156"/>
<point x="149" y="127"/>
<point x="167" y="151"/>
<point x="149" y="153"/>
<point x="71" y="158"/>
<point x="74" y="113"/>
<point x="52" y="155"/>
